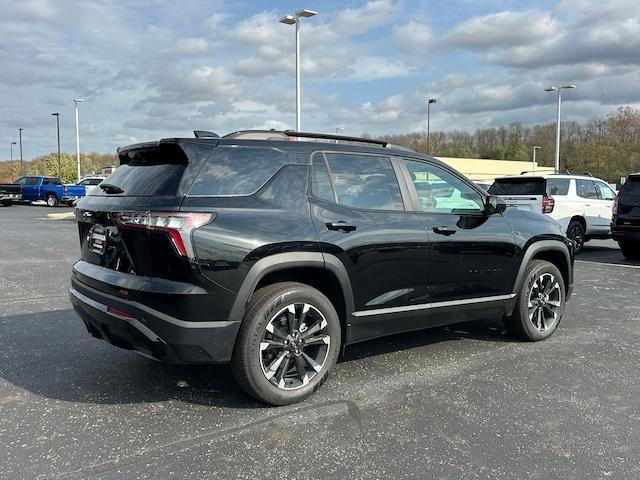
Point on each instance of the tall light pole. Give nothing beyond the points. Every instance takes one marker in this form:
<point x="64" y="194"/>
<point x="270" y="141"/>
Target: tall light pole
<point x="558" y="88"/>
<point x="21" y="164"/>
<point x="57" y="115"/>
<point x="295" y="20"/>
<point x="76" y="101"/>
<point x="429" y="102"/>
<point x="535" y="147"/>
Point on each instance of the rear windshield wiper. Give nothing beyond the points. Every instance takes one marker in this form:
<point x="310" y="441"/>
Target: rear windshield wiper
<point x="108" y="188"/>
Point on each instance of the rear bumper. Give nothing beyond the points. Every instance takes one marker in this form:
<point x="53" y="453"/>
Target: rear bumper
<point x="629" y="234"/>
<point x="150" y="332"/>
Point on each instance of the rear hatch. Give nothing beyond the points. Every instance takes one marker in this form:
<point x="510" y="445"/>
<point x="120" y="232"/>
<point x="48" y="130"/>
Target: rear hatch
<point x="628" y="214"/>
<point x="132" y="219"/>
<point x="525" y="193"/>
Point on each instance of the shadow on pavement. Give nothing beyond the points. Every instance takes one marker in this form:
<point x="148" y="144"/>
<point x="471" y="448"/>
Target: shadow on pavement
<point x="50" y="354"/>
<point x="606" y="251"/>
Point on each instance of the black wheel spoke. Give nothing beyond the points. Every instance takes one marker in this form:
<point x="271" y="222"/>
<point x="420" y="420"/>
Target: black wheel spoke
<point x="282" y="371"/>
<point x="320" y="339"/>
<point x="302" y="371"/>
<point x="291" y="319"/>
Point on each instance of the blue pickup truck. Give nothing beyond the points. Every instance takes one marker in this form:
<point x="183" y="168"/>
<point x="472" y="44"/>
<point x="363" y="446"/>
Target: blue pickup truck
<point x="49" y="189"/>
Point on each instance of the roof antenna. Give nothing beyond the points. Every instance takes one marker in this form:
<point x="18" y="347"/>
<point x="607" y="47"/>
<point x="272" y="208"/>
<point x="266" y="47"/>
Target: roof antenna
<point x="205" y="134"/>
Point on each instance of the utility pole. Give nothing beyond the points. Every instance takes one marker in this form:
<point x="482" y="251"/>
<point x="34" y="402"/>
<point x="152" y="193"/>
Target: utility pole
<point x="295" y="20"/>
<point x="535" y="147"/>
<point x="76" y="101"/>
<point x="558" y="88"/>
<point x="57" y="115"/>
<point x="21" y="163"/>
<point x="429" y="102"/>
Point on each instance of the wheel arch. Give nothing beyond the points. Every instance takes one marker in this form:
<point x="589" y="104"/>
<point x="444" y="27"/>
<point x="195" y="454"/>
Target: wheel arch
<point x="553" y="251"/>
<point x="324" y="272"/>
<point x="581" y="219"/>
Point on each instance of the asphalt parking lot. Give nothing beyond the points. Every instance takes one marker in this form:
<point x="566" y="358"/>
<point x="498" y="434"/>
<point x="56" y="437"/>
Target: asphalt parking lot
<point x="462" y="402"/>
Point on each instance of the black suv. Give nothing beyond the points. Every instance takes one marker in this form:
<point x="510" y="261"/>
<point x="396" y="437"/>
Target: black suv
<point x="274" y="254"/>
<point x="625" y="223"/>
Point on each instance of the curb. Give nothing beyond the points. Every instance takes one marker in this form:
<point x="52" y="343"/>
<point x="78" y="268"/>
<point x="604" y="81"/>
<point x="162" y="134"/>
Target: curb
<point x="61" y="216"/>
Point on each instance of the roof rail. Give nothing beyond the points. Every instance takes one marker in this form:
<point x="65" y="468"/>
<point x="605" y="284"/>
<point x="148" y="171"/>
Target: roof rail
<point x="330" y="136"/>
<point x="291" y="134"/>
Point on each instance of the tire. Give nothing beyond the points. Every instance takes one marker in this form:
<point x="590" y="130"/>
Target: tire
<point x="52" y="200"/>
<point x="522" y="323"/>
<point x="266" y="322"/>
<point x="575" y="232"/>
<point x="630" y="250"/>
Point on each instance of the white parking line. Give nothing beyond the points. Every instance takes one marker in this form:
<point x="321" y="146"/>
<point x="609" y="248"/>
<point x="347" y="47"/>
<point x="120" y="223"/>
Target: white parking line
<point x="608" y="264"/>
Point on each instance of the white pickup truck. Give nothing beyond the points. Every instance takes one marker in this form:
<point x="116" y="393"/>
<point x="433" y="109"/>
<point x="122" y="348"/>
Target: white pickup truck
<point x="581" y="204"/>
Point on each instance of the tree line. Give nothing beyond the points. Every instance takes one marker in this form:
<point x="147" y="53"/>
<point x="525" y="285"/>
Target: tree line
<point x="607" y="147"/>
<point x="48" y="165"/>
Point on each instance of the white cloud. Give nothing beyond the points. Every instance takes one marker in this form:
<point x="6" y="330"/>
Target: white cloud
<point x="191" y="45"/>
<point x="504" y="29"/>
<point x="413" y="36"/>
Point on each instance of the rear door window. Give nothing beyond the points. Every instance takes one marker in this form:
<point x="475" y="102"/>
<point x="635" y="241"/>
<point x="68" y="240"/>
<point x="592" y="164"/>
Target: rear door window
<point x="31" y="181"/>
<point x="361" y="181"/>
<point x="238" y="171"/>
<point x="586" y="189"/>
<point x="518" y="186"/>
<point x="558" y="186"/>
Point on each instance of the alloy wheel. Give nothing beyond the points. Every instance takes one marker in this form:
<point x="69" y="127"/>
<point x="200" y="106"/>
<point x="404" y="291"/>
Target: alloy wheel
<point x="295" y="346"/>
<point x="576" y="233"/>
<point x="545" y="300"/>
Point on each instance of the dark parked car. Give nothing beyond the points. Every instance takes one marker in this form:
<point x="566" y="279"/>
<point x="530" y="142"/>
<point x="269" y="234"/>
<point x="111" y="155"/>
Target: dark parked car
<point x="273" y="254"/>
<point x="625" y="224"/>
<point x="9" y="193"/>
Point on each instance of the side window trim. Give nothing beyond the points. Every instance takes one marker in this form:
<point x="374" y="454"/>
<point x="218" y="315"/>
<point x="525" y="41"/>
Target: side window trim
<point x="333" y="187"/>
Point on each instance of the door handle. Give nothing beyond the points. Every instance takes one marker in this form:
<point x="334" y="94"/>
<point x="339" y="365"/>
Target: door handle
<point x="340" y="226"/>
<point x="446" y="231"/>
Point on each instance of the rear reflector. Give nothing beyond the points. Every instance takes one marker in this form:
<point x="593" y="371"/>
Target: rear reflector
<point x="547" y="204"/>
<point x="178" y="225"/>
<point x="120" y="313"/>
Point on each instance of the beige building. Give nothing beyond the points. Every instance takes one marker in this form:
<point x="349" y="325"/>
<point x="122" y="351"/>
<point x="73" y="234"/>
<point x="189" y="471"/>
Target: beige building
<point x="486" y="169"/>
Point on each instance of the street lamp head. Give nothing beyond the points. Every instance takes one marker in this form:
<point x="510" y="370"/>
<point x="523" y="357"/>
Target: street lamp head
<point x="551" y="89"/>
<point x="305" y="13"/>
<point x="13" y="142"/>
<point x="288" y="19"/>
<point x="568" y="86"/>
<point x="77" y="100"/>
<point x="536" y="147"/>
<point x="432" y="100"/>
<point x="55" y="114"/>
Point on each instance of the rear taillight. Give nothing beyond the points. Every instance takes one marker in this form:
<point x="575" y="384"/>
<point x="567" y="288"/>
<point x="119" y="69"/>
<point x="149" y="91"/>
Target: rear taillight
<point x="547" y="204"/>
<point x="178" y="225"/>
<point x="65" y="190"/>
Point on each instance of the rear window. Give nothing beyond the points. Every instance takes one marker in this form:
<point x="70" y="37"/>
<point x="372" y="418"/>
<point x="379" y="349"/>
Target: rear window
<point x="518" y="186"/>
<point x="238" y="171"/>
<point x="153" y="170"/>
<point x="631" y="186"/>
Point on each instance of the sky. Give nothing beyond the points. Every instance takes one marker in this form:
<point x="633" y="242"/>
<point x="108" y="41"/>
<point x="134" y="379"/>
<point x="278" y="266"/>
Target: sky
<point x="152" y="69"/>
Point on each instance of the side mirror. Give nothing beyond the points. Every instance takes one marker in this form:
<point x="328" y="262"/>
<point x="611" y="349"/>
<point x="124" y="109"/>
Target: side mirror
<point x="494" y="204"/>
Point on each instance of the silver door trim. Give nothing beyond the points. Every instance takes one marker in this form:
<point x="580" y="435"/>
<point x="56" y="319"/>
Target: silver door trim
<point x="428" y="306"/>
